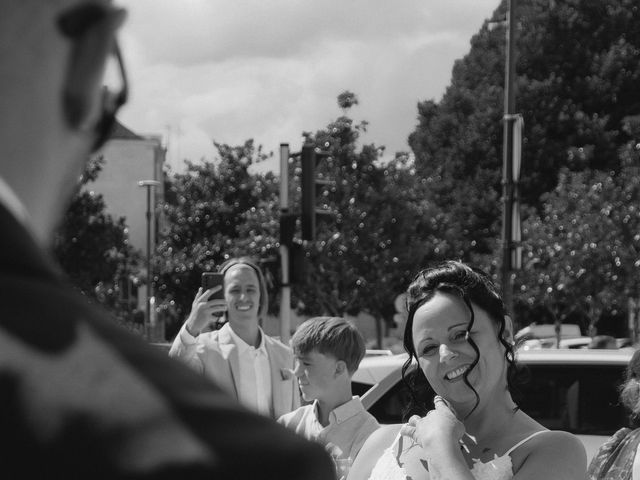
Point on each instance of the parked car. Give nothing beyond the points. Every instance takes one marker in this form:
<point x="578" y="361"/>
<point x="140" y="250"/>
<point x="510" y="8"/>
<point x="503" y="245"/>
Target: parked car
<point x="536" y="343"/>
<point x="568" y="389"/>
<point x="535" y="336"/>
<point x="546" y="330"/>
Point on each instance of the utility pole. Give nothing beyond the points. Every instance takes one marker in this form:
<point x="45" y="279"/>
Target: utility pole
<point x="149" y="185"/>
<point x="507" y="160"/>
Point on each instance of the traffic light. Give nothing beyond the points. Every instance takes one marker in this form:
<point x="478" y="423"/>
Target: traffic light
<point x="297" y="263"/>
<point x="287" y="228"/>
<point x="309" y="159"/>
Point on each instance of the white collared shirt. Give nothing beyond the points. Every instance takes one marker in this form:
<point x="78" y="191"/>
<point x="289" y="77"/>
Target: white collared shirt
<point x="254" y="384"/>
<point x="349" y="426"/>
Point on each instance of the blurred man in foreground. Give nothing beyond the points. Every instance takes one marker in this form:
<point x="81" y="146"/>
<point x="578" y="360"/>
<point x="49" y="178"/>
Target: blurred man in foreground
<point x="79" y="397"/>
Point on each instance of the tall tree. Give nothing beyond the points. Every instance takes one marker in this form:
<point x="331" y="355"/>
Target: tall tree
<point x="93" y="248"/>
<point x="214" y="211"/>
<point x="576" y="79"/>
<point x="381" y="229"/>
<point x="582" y="256"/>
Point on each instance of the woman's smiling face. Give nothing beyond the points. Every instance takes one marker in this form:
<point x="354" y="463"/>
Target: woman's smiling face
<point x="440" y="339"/>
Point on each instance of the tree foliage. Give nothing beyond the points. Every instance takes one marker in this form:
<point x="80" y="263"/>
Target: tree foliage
<point x="576" y="80"/>
<point x="380" y="230"/>
<point x="214" y="211"/>
<point x="576" y="87"/>
<point x="582" y="255"/>
<point x="93" y="248"/>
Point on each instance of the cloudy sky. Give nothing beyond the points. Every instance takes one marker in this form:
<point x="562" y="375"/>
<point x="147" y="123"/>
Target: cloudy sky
<point x="205" y="70"/>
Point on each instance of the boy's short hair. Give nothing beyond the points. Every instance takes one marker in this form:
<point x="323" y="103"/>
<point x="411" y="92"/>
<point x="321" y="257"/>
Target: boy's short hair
<point x="330" y="335"/>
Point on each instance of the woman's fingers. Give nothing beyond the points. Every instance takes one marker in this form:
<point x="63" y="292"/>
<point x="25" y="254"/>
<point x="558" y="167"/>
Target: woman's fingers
<point x="413" y="420"/>
<point x="442" y="405"/>
<point x="408" y="430"/>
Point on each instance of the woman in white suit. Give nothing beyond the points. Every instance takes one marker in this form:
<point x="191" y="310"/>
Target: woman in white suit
<point x="240" y="357"/>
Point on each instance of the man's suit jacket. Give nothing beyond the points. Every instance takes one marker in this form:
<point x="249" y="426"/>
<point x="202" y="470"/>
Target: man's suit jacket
<point x="80" y="397"/>
<point x="215" y="354"/>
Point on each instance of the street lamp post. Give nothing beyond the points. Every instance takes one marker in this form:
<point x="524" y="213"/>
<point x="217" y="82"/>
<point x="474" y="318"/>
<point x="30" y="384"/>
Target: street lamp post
<point x="149" y="185"/>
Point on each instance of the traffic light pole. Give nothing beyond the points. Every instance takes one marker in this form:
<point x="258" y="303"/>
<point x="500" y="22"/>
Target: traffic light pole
<point x="285" y="289"/>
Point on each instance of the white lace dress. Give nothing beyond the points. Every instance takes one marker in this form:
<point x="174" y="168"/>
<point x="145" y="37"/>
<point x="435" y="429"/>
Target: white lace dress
<point x="500" y="468"/>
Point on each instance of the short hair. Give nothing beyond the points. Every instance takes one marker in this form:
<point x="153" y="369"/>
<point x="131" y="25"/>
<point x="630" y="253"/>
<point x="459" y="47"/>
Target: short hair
<point x="333" y="336"/>
<point x="262" y="283"/>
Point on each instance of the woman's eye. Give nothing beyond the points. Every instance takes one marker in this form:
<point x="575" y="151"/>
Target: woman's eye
<point x="461" y="335"/>
<point x="429" y="350"/>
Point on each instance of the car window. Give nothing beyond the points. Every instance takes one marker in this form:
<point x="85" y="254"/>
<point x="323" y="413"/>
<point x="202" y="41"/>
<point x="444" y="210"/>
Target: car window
<point x="577" y="398"/>
<point x="582" y="399"/>
<point x="390" y="407"/>
<point x="358" y="388"/>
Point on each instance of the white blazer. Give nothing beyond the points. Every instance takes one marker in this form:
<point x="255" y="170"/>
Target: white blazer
<point x="215" y="355"/>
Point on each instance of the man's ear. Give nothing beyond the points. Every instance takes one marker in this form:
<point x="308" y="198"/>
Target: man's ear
<point x="85" y="71"/>
<point x="508" y="330"/>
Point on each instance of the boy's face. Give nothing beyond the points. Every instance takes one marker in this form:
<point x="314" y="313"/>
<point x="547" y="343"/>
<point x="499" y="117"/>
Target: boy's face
<point x="316" y="374"/>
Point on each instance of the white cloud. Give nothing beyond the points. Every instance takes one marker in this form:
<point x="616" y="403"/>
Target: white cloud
<point x="204" y="70"/>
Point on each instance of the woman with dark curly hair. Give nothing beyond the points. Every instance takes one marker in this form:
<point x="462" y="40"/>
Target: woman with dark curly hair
<point x="617" y="458"/>
<point x="461" y="338"/>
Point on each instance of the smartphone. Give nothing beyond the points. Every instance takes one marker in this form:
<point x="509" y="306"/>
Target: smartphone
<point x="213" y="279"/>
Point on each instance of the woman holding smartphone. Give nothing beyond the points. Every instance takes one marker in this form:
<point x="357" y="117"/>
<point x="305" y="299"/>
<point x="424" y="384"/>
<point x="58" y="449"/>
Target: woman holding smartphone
<point x="240" y="357"/>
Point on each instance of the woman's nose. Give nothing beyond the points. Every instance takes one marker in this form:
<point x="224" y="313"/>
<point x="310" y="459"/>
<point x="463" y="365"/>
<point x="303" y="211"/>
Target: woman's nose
<point x="446" y="354"/>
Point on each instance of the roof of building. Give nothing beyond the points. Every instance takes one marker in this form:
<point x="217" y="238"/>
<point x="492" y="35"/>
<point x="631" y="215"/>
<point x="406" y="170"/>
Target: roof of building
<point x="121" y="132"/>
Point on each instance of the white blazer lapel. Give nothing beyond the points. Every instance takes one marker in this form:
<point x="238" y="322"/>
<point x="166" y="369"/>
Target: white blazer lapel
<point x="281" y="381"/>
<point x="229" y="353"/>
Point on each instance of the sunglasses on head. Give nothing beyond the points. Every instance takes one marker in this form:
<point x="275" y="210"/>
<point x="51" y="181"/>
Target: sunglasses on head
<point x="73" y="24"/>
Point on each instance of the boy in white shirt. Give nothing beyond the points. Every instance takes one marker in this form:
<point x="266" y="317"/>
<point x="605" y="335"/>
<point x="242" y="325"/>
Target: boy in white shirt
<point x="328" y="351"/>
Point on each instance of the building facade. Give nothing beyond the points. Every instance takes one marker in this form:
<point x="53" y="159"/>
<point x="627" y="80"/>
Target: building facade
<point x="129" y="159"/>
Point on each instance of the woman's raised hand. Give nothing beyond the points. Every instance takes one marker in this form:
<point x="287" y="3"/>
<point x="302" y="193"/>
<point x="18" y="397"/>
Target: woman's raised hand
<point x="439" y="428"/>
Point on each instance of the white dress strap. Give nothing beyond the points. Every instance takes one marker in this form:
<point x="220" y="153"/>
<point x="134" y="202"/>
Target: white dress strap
<point x="396" y="440"/>
<point x="387" y="466"/>
<point x="524" y="441"/>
